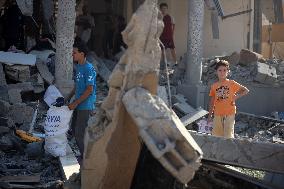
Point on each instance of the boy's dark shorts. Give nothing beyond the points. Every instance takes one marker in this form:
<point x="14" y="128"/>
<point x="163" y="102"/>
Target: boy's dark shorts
<point x="169" y="43"/>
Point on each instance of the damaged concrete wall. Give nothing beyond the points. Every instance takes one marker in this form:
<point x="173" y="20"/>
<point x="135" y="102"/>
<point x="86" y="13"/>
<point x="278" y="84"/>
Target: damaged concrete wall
<point x="238" y="27"/>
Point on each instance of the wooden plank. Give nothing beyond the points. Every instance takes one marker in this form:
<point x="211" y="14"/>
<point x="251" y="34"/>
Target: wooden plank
<point x="21" y="179"/>
<point x="190" y="118"/>
<point x="242" y="153"/>
<point x="69" y="163"/>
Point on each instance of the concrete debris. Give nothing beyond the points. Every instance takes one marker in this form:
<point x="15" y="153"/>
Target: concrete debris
<point x="259" y="73"/>
<point x="24" y="87"/>
<point x="247" y="57"/>
<point x="259" y="130"/>
<point x="179" y="98"/>
<point x="11" y="58"/>
<point x="34" y="149"/>
<point x="15" y="96"/>
<point x="234" y="58"/>
<point x="44" y="72"/>
<point x="37" y="82"/>
<point x="184" y="108"/>
<point x="19" y="73"/>
<point x="265" y="74"/>
<point x="21" y="113"/>
<point x="163" y="133"/>
<point x="2" y="76"/>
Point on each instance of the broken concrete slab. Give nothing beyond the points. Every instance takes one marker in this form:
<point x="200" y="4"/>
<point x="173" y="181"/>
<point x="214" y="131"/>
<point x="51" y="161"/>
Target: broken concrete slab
<point x="163" y="133"/>
<point x="194" y="116"/>
<point x="21" y="113"/>
<point x="18" y="72"/>
<point x="15" y="96"/>
<point x="179" y="98"/>
<point x="247" y="57"/>
<point x="11" y="58"/>
<point x="2" y="76"/>
<point x="242" y="153"/>
<point x="265" y="73"/>
<point x="184" y="108"/>
<point x="234" y="58"/>
<point x="42" y="55"/>
<point x="37" y="82"/>
<point x="24" y="87"/>
<point x="108" y="143"/>
<point x="44" y="72"/>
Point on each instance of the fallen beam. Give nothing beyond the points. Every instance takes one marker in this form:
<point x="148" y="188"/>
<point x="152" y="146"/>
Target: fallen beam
<point x="241" y="153"/>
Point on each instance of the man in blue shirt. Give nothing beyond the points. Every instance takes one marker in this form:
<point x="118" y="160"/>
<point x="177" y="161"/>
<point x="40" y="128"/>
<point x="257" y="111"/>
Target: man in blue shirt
<point x="85" y="93"/>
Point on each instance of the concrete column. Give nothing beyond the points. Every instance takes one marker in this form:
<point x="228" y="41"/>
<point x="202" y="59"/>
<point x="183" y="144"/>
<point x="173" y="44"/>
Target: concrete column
<point x="65" y="25"/>
<point x="194" y="43"/>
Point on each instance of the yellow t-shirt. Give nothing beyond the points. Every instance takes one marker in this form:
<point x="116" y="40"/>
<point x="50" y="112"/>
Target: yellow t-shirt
<point x="223" y="93"/>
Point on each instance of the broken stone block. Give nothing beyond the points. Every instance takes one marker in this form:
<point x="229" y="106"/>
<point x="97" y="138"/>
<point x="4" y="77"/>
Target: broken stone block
<point x="163" y="133"/>
<point x="247" y="57"/>
<point x="2" y="76"/>
<point x="15" y="96"/>
<point x="265" y="74"/>
<point x="178" y="98"/>
<point x="37" y="82"/>
<point x="234" y="58"/>
<point x="4" y="108"/>
<point x="18" y="72"/>
<point x="44" y="72"/>
<point x="184" y="108"/>
<point x="24" y="87"/>
<point x="21" y="113"/>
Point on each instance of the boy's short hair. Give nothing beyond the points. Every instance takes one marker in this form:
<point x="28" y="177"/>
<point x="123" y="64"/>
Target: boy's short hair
<point x="163" y="5"/>
<point x="220" y="63"/>
<point x="81" y="46"/>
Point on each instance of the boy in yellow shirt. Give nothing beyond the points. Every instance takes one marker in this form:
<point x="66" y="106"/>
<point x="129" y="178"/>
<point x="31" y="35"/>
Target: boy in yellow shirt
<point x="223" y="95"/>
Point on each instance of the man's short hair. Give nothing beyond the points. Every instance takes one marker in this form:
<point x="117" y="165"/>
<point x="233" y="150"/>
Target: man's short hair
<point x="163" y="5"/>
<point x="81" y="46"/>
<point x="220" y="63"/>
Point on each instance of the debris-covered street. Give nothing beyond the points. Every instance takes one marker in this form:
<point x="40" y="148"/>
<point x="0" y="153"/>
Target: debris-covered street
<point x="142" y="94"/>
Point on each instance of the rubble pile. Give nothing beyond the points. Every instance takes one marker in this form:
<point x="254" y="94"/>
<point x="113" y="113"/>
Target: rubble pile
<point x="247" y="67"/>
<point x="258" y="129"/>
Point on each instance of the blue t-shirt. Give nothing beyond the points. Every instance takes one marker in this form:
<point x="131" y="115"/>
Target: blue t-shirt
<point x="85" y="75"/>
